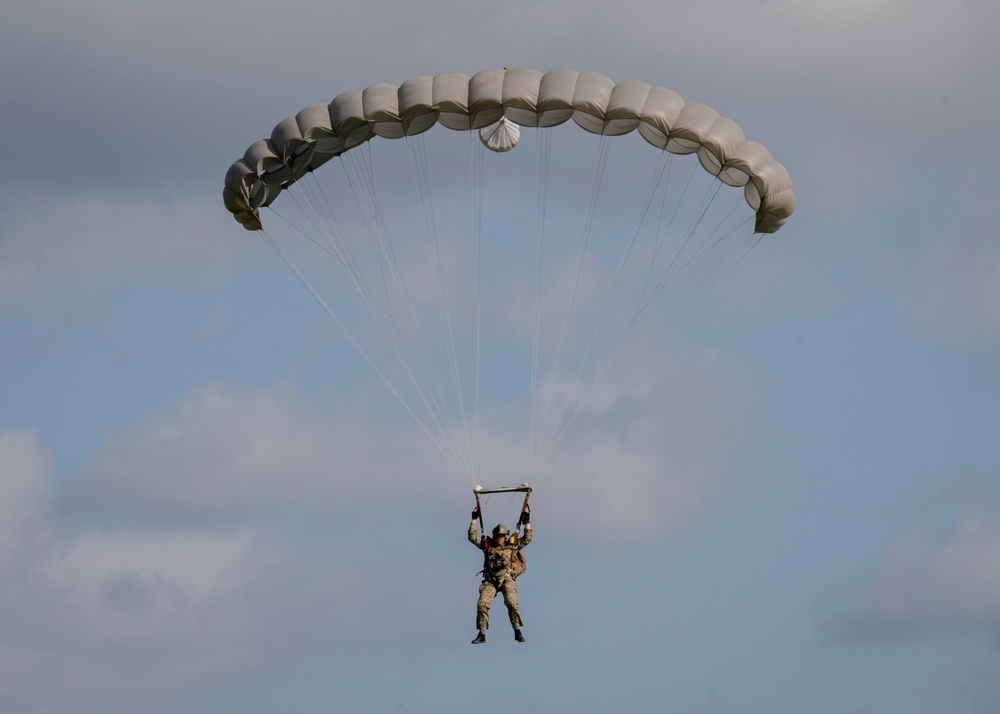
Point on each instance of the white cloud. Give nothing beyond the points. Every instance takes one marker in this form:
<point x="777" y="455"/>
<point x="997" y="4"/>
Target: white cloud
<point x="79" y="243"/>
<point x="651" y="463"/>
<point x="124" y="619"/>
<point x="100" y="613"/>
<point x="928" y="585"/>
<point x="230" y="454"/>
<point x="946" y="269"/>
<point x="203" y="583"/>
<point x="24" y="472"/>
<point x="884" y="43"/>
<point x="953" y="582"/>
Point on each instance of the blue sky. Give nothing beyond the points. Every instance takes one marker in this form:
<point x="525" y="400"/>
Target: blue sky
<point x="209" y="504"/>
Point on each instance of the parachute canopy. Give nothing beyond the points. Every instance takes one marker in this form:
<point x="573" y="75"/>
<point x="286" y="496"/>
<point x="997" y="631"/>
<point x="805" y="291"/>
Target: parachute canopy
<point x="522" y="96"/>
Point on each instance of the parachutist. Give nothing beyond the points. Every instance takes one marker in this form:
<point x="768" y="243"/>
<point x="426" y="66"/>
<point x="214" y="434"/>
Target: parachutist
<point x="503" y="561"/>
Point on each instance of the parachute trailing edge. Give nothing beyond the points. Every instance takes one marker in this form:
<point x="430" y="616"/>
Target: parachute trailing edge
<point x="523" y="97"/>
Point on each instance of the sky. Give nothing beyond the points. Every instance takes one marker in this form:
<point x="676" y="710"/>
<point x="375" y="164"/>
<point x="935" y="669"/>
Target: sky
<point x="209" y="503"/>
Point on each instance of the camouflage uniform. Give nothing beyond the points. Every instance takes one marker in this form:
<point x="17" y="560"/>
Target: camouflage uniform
<point x="499" y="573"/>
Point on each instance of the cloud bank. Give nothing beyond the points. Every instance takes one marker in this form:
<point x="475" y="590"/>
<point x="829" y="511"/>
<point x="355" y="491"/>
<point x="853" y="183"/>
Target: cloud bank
<point x="928" y="586"/>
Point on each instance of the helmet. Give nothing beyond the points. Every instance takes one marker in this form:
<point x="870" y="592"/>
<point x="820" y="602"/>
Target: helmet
<point x="500" y="530"/>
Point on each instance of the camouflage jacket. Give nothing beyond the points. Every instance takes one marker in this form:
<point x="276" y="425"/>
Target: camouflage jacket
<point x="504" y="561"/>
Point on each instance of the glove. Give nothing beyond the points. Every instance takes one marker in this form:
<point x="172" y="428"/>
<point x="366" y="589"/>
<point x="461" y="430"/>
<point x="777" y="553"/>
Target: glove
<point x="525" y="518"/>
<point x="475" y="513"/>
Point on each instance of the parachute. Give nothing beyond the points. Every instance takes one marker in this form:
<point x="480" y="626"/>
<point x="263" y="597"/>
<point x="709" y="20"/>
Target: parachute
<point x="519" y="282"/>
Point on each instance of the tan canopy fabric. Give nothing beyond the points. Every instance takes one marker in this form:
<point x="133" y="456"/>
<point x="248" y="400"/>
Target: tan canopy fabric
<point x="524" y="96"/>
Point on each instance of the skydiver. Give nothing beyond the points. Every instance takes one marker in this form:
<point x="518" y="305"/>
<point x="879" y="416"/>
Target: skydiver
<point x="503" y="561"/>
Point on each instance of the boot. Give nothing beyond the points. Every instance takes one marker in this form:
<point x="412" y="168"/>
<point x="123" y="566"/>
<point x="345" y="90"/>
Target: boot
<point x="518" y="636"/>
<point x="480" y="638"/>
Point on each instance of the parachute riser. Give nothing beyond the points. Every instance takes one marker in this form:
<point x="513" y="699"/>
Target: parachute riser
<point x="479" y="510"/>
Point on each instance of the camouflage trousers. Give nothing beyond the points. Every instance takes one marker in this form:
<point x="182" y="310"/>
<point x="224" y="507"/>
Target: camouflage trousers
<point x="487" y="591"/>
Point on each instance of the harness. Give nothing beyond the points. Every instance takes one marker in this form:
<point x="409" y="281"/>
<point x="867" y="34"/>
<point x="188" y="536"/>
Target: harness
<point x="517" y="562"/>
